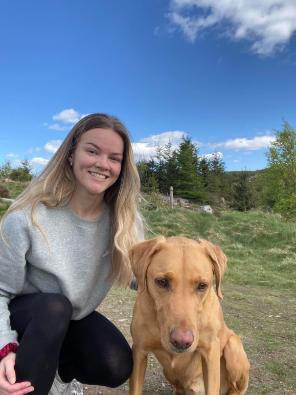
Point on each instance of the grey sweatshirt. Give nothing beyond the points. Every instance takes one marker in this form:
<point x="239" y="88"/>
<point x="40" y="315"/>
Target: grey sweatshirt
<point x="71" y="258"/>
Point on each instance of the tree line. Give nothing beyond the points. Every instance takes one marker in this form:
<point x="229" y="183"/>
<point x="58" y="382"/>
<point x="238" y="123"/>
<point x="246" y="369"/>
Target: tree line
<point x="22" y="173"/>
<point x="204" y="180"/>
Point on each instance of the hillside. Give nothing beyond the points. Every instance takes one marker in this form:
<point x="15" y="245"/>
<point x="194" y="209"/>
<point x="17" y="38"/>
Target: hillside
<point x="259" y="291"/>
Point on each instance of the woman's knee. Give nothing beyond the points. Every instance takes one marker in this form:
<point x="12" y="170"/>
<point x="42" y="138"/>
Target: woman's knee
<point x="56" y="305"/>
<point x="52" y="311"/>
<point x="55" y="310"/>
<point x="120" y="367"/>
<point x="40" y="306"/>
<point x="52" y="319"/>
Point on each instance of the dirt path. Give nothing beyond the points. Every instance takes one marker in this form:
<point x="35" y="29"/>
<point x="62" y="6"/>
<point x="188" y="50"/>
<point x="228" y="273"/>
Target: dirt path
<point x="118" y="307"/>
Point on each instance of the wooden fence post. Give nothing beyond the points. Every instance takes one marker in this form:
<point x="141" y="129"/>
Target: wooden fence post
<point x="172" y="197"/>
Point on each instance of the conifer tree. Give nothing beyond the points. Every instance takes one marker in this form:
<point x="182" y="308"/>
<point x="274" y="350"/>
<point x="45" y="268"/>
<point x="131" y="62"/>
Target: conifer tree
<point x="148" y="176"/>
<point x="188" y="182"/>
<point x="242" y="193"/>
<point x="204" y="171"/>
<point x="216" y="183"/>
<point x="166" y="167"/>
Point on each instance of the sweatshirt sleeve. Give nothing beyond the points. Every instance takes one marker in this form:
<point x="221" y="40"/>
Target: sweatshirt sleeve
<point x="14" y="247"/>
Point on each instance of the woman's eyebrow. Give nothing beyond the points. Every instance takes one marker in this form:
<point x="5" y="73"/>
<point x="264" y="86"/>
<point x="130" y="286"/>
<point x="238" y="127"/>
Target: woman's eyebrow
<point x="97" y="147"/>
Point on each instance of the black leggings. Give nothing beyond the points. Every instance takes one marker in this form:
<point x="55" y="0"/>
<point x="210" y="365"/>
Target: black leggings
<point x="92" y="349"/>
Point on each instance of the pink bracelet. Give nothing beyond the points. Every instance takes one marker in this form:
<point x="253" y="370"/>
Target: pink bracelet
<point x="10" y="347"/>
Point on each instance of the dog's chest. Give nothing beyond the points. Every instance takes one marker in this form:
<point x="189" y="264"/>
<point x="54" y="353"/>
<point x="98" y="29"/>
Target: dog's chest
<point x="182" y="370"/>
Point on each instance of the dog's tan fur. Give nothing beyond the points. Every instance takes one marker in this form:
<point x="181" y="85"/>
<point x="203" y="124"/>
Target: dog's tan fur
<point x="215" y="363"/>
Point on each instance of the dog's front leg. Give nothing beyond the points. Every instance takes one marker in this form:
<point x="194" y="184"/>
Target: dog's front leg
<point x="211" y="367"/>
<point x="136" y="382"/>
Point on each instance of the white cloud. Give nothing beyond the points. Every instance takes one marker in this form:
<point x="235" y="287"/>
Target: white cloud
<point x="68" y="116"/>
<point x="39" y="161"/>
<point x="212" y="156"/>
<point x="143" y="151"/>
<point x="147" y="147"/>
<point x="268" y="24"/>
<point x="34" y="149"/>
<point x="58" y="127"/>
<point x="65" y="119"/>
<point x="52" y="146"/>
<point x="164" y="138"/>
<point x="247" y="144"/>
<point x="16" y="163"/>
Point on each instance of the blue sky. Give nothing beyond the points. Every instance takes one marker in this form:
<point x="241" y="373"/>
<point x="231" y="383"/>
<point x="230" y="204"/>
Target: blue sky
<point x="221" y="72"/>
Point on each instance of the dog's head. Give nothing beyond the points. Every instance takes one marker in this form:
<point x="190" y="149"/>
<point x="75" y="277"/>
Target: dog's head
<point x="178" y="274"/>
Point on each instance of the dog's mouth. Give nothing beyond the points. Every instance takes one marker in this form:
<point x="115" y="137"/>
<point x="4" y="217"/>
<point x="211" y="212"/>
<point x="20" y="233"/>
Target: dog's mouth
<point x="176" y="350"/>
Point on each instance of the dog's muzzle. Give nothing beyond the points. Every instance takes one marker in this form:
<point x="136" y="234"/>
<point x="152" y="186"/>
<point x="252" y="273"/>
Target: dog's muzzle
<point x="181" y="339"/>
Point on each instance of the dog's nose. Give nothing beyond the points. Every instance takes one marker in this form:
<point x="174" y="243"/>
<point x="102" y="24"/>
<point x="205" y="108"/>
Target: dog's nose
<point x="181" y="339"/>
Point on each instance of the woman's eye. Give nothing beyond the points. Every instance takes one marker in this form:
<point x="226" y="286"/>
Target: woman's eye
<point x="162" y="283"/>
<point x="92" y="152"/>
<point x="119" y="160"/>
<point x="202" y="287"/>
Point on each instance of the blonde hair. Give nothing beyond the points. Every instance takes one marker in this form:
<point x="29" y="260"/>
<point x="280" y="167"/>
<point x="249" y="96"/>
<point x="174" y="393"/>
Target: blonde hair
<point x="55" y="186"/>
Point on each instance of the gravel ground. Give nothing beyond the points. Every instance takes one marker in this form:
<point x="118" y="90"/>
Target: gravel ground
<point x="264" y="320"/>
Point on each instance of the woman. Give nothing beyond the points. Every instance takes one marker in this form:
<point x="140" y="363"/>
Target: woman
<point x="63" y="243"/>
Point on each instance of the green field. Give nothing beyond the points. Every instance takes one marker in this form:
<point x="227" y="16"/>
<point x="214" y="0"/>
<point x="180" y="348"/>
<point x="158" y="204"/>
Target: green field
<point x="259" y="287"/>
<point x="259" y="291"/>
<point x="3" y="208"/>
<point x="14" y="187"/>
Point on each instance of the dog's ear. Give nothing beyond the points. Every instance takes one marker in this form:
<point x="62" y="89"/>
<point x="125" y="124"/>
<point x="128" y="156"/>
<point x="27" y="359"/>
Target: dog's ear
<point x="219" y="260"/>
<point x="140" y="257"/>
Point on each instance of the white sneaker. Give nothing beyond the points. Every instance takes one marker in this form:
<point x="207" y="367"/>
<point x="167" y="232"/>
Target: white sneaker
<point x="61" y="388"/>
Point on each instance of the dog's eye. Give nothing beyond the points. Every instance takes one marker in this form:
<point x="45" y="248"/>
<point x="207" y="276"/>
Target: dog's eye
<point x="202" y="287"/>
<point x="162" y="282"/>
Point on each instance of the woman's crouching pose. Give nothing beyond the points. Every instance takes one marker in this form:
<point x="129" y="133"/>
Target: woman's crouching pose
<point x="64" y="242"/>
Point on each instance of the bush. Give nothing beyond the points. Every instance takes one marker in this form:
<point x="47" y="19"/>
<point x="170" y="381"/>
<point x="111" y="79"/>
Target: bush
<point x="286" y="206"/>
<point x="4" y="193"/>
<point x="20" y="174"/>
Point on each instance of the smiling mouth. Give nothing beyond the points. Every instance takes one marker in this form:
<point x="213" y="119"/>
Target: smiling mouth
<point x="99" y="176"/>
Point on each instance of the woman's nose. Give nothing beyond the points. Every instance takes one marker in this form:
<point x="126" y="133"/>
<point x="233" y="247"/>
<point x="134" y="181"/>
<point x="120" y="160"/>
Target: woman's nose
<point x="102" y="162"/>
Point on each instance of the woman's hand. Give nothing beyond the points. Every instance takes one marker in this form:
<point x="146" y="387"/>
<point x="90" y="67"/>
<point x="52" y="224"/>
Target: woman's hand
<point x="8" y="383"/>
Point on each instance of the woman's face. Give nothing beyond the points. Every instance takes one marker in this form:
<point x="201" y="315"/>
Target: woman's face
<point x="96" y="161"/>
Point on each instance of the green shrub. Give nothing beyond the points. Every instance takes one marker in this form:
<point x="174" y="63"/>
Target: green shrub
<point x="4" y="191"/>
<point x="286" y="206"/>
<point x="20" y="174"/>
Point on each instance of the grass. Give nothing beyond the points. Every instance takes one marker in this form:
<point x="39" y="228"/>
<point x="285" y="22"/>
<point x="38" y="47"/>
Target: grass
<point x="259" y="286"/>
<point x="3" y="208"/>
<point x="14" y="187"/>
<point x="261" y="247"/>
<point x="259" y="292"/>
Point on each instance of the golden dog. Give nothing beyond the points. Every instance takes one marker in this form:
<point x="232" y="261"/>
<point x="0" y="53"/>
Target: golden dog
<point x="178" y="317"/>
